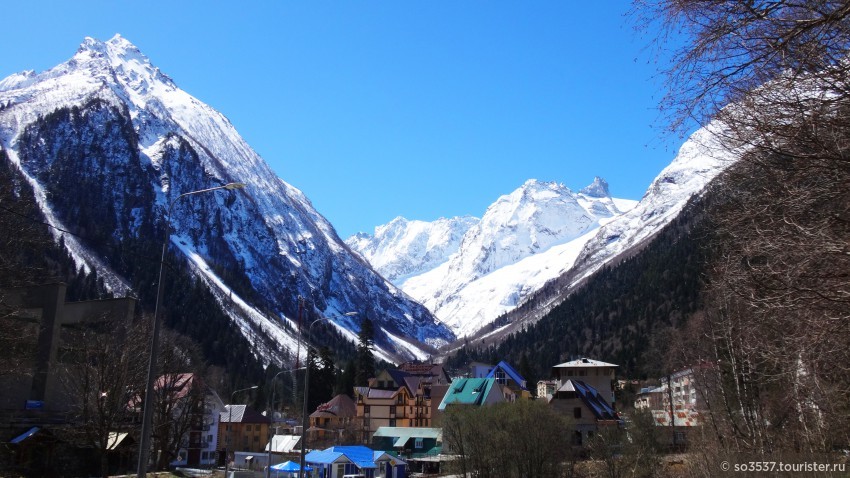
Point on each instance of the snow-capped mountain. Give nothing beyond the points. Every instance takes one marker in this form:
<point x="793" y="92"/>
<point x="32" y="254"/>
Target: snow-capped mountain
<point x="108" y="128"/>
<point x="523" y="240"/>
<point x="700" y="159"/>
<point x="402" y="248"/>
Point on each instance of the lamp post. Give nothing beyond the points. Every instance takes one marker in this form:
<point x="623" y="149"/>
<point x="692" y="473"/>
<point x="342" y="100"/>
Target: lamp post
<point x="304" y="414"/>
<point x="271" y="415"/>
<point x="147" y="414"/>
<point x="230" y="426"/>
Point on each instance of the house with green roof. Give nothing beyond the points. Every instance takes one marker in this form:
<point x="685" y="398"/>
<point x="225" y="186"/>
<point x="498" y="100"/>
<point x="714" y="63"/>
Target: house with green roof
<point x="476" y="392"/>
<point x="409" y="442"/>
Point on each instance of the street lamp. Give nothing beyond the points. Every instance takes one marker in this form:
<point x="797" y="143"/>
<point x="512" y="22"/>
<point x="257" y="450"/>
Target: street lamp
<point x="230" y="426"/>
<point x="271" y="415"/>
<point x="304" y="414"/>
<point x="147" y="414"/>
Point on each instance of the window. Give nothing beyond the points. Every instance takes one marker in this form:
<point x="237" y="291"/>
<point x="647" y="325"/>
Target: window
<point x="418" y="443"/>
<point x="577" y="438"/>
<point x="400" y="398"/>
<point x="577" y="412"/>
<point x="366" y="409"/>
<point x="392" y="422"/>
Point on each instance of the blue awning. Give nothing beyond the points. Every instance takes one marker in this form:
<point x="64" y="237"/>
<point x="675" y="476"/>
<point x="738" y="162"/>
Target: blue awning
<point x="32" y="431"/>
<point x="290" y="466"/>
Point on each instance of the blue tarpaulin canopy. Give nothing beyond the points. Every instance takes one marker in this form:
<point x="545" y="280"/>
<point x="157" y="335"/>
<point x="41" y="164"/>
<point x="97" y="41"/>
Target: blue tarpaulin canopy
<point x="32" y="431"/>
<point x="289" y="466"/>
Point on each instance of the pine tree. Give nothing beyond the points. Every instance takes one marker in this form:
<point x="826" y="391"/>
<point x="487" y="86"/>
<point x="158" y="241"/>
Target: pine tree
<point x="365" y="360"/>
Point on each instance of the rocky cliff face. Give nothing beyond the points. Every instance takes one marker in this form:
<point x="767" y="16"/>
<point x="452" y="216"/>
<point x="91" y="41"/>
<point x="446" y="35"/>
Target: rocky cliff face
<point x="107" y="142"/>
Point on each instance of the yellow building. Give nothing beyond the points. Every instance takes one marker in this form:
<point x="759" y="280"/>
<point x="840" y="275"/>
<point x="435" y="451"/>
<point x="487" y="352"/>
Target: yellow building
<point x="242" y="429"/>
<point x="399" y="398"/>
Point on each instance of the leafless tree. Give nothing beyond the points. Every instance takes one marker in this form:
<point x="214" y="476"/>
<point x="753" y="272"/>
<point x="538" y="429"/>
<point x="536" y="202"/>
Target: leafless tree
<point x="180" y="397"/>
<point x="724" y="50"/>
<point x="773" y="76"/>
<point x="101" y="376"/>
<point x="524" y="438"/>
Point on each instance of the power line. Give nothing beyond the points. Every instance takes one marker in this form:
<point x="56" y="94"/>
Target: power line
<point x="39" y="221"/>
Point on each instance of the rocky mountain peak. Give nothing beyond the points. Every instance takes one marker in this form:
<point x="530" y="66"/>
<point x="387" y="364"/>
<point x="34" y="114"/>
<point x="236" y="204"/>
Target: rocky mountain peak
<point x="597" y="189"/>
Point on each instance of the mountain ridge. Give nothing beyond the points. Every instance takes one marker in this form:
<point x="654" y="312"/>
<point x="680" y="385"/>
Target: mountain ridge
<point x="174" y="143"/>
<point x="700" y="159"/>
<point x="524" y="239"/>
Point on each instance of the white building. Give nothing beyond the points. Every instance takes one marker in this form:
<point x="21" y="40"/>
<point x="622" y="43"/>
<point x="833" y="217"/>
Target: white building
<point x="599" y="375"/>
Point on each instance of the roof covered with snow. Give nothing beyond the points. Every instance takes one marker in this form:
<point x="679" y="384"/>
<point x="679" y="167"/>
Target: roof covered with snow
<point x="585" y="362"/>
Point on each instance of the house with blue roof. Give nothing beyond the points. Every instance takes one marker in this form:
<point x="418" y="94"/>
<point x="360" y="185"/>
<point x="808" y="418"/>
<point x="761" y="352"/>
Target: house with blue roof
<point x="338" y="461"/>
<point x="506" y="375"/>
<point x="588" y="409"/>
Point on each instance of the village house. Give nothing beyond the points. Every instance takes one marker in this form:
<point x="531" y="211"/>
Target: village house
<point x="584" y="392"/>
<point x="409" y="442"/>
<point x="674" y="405"/>
<point x="195" y="411"/>
<point x="507" y="376"/>
<point x="332" y="421"/>
<point x="599" y="375"/>
<point x="546" y="388"/>
<point x="421" y="448"/>
<point x="435" y="372"/>
<point x="476" y="392"/>
<point x="586" y="407"/>
<point x="399" y="398"/>
<point x="487" y="384"/>
<point x="242" y="429"/>
<point x="339" y="461"/>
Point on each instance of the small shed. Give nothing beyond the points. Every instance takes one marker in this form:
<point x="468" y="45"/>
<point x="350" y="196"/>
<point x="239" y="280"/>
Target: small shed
<point x="389" y="466"/>
<point x="338" y="461"/>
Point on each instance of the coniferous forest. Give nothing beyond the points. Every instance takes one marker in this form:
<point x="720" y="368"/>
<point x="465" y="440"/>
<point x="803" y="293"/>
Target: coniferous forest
<point x="624" y="314"/>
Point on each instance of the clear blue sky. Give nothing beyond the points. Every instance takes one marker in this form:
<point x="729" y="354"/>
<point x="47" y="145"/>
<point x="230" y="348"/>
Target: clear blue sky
<point x="378" y="109"/>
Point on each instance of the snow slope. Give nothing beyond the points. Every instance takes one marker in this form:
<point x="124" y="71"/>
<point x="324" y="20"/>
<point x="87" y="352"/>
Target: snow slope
<point x="523" y="240"/>
<point x="271" y="232"/>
